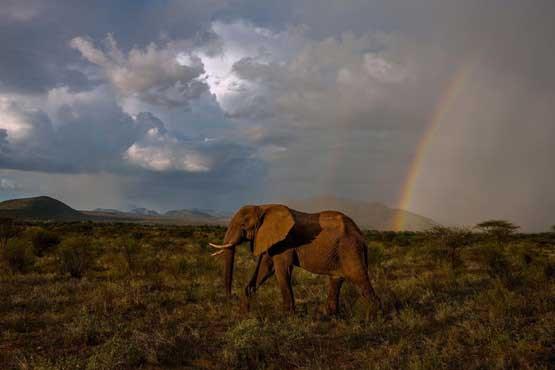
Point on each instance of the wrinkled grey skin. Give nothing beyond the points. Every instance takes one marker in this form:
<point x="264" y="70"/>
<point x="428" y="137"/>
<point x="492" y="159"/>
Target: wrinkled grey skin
<point x="327" y="243"/>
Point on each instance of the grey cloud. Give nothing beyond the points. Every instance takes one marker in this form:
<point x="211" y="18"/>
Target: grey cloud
<point x="154" y="74"/>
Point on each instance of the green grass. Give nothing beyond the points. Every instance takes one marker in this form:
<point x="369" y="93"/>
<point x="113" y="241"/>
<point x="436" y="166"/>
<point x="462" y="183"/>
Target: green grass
<point x="152" y="297"/>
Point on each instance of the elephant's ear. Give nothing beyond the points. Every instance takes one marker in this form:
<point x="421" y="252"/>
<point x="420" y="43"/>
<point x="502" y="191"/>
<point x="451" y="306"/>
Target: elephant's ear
<point x="277" y="221"/>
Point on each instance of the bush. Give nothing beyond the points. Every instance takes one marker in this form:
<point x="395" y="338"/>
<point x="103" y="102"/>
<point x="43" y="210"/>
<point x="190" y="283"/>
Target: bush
<point x="496" y="262"/>
<point x="44" y="241"/>
<point x="75" y="256"/>
<point x="8" y="230"/>
<point x="18" y="256"/>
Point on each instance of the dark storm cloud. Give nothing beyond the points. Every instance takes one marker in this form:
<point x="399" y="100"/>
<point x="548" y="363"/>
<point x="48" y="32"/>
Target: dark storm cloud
<point x="34" y="35"/>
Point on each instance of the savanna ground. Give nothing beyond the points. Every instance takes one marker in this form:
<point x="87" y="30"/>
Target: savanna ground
<point x="122" y="296"/>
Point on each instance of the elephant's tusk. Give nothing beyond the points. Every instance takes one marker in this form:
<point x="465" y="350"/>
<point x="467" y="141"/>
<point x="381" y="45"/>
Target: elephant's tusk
<point x="216" y="253"/>
<point x="221" y="246"/>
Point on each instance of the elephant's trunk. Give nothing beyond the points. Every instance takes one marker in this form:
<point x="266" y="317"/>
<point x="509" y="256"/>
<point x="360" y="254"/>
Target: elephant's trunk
<point x="231" y="239"/>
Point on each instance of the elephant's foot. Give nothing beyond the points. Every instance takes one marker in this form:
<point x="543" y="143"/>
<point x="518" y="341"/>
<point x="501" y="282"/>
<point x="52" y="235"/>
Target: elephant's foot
<point x="245" y="304"/>
<point x="332" y="310"/>
<point x="289" y="308"/>
<point x="250" y="290"/>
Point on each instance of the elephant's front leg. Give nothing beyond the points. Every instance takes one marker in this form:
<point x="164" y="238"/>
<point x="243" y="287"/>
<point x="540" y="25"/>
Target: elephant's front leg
<point x="264" y="269"/>
<point x="284" y="268"/>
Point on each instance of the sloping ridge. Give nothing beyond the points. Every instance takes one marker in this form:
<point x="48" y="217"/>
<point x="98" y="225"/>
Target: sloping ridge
<point x="373" y="215"/>
<point x="42" y="208"/>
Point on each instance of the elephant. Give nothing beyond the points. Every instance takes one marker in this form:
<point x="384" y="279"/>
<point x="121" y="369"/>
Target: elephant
<point x="326" y="243"/>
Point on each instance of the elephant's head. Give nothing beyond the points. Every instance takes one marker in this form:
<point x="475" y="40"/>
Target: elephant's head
<point x="263" y="226"/>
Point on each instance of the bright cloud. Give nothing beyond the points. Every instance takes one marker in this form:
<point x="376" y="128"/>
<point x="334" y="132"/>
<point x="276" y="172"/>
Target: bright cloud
<point x="12" y="121"/>
<point x="8" y="185"/>
<point x="156" y="74"/>
<point x="160" y="152"/>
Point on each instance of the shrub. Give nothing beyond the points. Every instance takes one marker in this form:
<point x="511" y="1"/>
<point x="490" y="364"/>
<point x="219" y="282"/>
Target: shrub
<point x="8" y="230"/>
<point x="496" y="262"/>
<point x="18" y="256"/>
<point x="44" y="241"/>
<point x="75" y="256"/>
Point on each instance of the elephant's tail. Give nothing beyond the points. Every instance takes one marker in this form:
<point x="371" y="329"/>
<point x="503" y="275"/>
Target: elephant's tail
<point x="365" y="249"/>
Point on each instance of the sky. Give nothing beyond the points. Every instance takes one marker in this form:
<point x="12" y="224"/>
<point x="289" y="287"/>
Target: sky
<point x="444" y="108"/>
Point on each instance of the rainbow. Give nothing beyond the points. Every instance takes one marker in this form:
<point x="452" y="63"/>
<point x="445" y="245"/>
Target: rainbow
<point x="444" y="105"/>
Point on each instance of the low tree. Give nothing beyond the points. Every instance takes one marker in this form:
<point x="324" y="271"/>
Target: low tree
<point x="500" y="230"/>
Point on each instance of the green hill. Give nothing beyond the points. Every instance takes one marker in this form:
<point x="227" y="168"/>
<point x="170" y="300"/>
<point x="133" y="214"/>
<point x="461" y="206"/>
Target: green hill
<point x="39" y="208"/>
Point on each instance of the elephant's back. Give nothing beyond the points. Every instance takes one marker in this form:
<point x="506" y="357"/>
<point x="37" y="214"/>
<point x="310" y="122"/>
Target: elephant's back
<point x="334" y="222"/>
<point x="338" y="221"/>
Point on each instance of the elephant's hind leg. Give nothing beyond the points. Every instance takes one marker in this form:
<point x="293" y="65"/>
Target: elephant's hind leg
<point x="355" y="270"/>
<point x="333" y="294"/>
<point x="363" y="283"/>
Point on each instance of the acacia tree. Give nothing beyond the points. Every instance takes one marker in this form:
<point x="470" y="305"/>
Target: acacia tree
<point x="500" y="230"/>
<point x="453" y="239"/>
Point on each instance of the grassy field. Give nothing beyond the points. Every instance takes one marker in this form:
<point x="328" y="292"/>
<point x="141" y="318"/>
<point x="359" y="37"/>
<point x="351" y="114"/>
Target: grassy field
<point x="122" y="296"/>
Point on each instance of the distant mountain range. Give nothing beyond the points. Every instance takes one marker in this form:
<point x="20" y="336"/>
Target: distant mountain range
<point x="175" y="213"/>
<point x="178" y="216"/>
<point x="366" y="215"/>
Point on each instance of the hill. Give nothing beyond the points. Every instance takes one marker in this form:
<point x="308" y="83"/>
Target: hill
<point x="43" y="207"/>
<point x="374" y="215"/>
